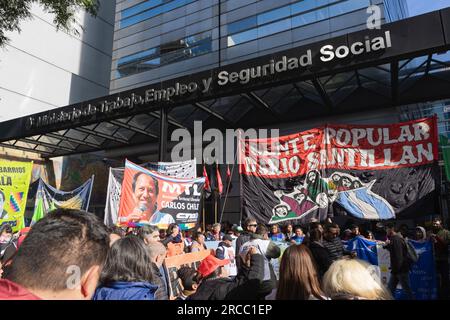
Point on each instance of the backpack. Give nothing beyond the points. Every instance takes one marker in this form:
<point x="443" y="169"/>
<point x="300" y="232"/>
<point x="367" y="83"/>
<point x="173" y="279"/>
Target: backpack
<point x="411" y="255"/>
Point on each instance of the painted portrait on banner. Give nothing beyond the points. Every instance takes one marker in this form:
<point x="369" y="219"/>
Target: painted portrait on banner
<point x="149" y="197"/>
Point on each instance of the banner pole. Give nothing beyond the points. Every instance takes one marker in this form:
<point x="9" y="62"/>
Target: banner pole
<point x="215" y="206"/>
<point x="90" y="193"/>
<point x="203" y="214"/>
<point x="241" y="200"/>
<point x="228" y="190"/>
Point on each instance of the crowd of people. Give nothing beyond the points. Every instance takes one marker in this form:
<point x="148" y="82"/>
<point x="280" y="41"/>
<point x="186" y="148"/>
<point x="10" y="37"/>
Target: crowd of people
<point x="71" y="254"/>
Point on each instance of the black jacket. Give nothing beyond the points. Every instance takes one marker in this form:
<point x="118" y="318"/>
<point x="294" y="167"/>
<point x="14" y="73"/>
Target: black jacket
<point x="272" y="252"/>
<point x="243" y="287"/>
<point x="243" y="238"/>
<point x="158" y="280"/>
<point x="399" y="255"/>
<point x="321" y="257"/>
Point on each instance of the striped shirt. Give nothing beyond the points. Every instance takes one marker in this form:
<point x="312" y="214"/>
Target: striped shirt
<point x="334" y="247"/>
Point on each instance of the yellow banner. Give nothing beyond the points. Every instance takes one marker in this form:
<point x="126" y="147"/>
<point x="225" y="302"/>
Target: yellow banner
<point x="14" y="183"/>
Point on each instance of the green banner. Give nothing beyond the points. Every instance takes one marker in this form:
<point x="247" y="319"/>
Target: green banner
<point x="49" y="198"/>
<point x="445" y="147"/>
<point x="14" y="183"/>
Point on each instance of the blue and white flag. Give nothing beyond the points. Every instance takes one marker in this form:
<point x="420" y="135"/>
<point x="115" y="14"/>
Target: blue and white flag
<point x="365" y="249"/>
<point x="363" y="203"/>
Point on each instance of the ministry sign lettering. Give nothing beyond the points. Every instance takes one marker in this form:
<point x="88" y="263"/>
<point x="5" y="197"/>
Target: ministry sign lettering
<point x="307" y="59"/>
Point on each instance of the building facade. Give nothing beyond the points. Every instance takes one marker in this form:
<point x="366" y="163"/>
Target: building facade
<point x="42" y="68"/>
<point x="159" y="45"/>
<point x="158" y="40"/>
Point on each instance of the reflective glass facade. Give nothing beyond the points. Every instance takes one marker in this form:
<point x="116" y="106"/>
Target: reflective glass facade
<point x="161" y="39"/>
<point x="149" y="9"/>
<point x="291" y="16"/>
<point x="167" y="53"/>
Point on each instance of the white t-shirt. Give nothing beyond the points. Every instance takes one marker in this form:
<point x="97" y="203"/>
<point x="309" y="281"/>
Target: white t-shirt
<point x="229" y="254"/>
<point x="262" y="246"/>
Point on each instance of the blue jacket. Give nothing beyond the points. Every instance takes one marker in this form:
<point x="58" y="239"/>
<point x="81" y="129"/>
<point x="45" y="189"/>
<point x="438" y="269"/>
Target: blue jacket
<point x="277" y="237"/>
<point x="122" y="290"/>
<point x="297" y="239"/>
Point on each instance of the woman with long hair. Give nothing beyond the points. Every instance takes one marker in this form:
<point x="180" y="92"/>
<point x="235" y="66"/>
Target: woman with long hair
<point x="127" y="273"/>
<point x="298" y="276"/>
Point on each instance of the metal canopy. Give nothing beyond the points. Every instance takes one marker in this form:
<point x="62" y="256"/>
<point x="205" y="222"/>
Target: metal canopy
<point x="417" y="70"/>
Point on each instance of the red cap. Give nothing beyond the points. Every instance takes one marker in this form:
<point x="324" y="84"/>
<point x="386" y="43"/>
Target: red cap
<point x="24" y="230"/>
<point x="22" y="235"/>
<point x="210" y="264"/>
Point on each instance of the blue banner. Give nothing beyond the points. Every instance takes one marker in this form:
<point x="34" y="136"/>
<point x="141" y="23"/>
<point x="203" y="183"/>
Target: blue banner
<point x="422" y="274"/>
<point x="365" y="249"/>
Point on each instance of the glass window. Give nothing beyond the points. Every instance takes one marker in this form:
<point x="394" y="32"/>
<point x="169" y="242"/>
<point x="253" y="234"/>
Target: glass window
<point x="304" y="19"/>
<point x="196" y="39"/>
<point x="243" y="24"/>
<point x="274" y="28"/>
<point x="153" y="12"/>
<point x="140" y="17"/>
<point x="348" y="6"/>
<point x="202" y="48"/>
<point x="242" y="37"/>
<point x="306" y="5"/>
<point x="171" y="46"/>
<point x="140" y="7"/>
<point x="167" y="53"/>
<point x="138" y="56"/>
<point x="274" y="15"/>
<point x="322" y="14"/>
<point x="148" y="65"/>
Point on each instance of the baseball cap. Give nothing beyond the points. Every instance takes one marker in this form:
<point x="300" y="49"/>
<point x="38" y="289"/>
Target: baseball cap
<point x="210" y="264"/>
<point x="227" y="237"/>
<point x="237" y="228"/>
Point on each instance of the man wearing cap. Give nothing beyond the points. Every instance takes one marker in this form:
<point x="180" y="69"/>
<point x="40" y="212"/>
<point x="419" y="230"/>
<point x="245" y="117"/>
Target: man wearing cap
<point x="225" y="251"/>
<point x="237" y="230"/>
<point x="216" y="285"/>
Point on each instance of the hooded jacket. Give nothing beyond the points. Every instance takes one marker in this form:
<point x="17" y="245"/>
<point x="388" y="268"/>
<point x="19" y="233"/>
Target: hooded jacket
<point x="424" y="233"/>
<point x="12" y="291"/>
<point x="121" y="290"/>
<point x="246" y="286"/>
